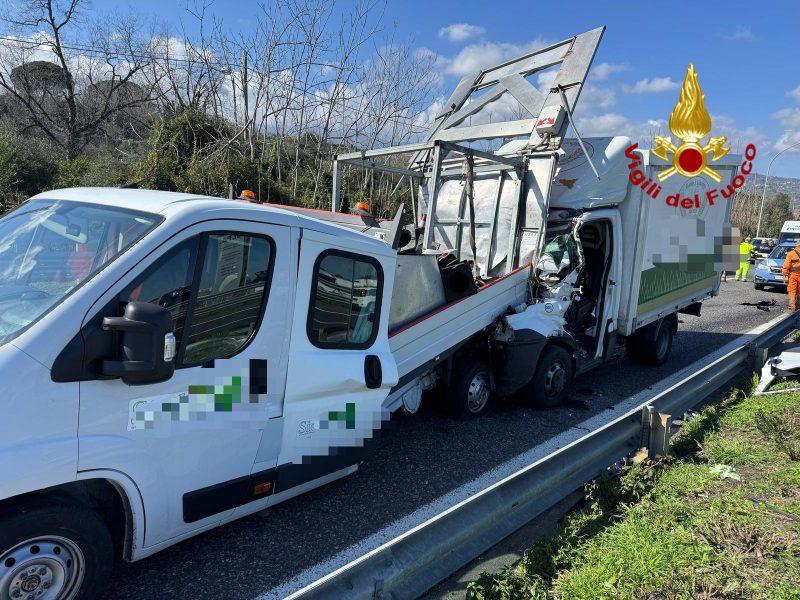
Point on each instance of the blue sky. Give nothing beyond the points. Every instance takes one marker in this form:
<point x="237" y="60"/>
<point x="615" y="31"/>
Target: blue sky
<point x="745" y="54"/>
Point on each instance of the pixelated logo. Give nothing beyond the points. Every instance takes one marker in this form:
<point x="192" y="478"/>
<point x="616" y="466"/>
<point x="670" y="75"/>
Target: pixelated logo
<point x="241" y="395"/>
<point x="690" y="123"/>
<point x="347" y="416"/>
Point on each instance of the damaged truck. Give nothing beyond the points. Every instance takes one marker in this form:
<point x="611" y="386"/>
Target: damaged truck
<point x="188" y="360"/>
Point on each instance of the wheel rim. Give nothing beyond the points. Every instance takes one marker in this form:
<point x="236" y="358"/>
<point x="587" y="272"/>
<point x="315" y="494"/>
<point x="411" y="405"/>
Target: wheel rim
<point x="42" y="568"/>
<point x="478" y="393"/>
<point x="555" y="380"/>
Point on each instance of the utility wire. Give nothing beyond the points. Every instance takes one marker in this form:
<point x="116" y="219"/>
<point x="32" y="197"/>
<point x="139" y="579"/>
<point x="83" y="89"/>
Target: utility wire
<point x="32" y="44"/>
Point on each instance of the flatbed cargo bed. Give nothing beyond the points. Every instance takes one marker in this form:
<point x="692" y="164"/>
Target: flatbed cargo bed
<point x="422" y="342"/>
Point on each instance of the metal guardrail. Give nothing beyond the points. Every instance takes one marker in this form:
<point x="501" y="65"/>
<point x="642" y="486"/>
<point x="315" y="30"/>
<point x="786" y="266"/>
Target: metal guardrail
<point x="409" y="565"/>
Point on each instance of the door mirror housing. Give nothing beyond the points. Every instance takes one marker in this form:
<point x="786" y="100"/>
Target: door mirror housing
<point x="146" y="344"/>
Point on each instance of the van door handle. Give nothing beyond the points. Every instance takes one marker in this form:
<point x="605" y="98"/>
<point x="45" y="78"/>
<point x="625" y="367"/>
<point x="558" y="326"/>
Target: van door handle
<point x="373" y="373"/>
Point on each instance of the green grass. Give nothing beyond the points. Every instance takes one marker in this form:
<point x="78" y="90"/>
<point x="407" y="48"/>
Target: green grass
<point x="677" y="528"/>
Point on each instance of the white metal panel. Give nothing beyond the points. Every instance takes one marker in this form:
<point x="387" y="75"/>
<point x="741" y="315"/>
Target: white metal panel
<point x="424" y="340"/>
<point x="325" y="380"/>
<point x="575" y="184"/>
<point x="658" y="235"/>
<point x="179" y="456"/>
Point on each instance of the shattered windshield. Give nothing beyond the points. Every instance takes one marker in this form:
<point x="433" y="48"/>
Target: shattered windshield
<point x="49" y="247"/>
<point x="559" y="258"/>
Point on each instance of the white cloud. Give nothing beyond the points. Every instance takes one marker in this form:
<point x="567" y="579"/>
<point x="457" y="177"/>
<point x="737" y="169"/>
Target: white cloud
<point x="426" y="117"/>
<point x="651" y="86"/>
<point x="740" y="34"/>
<point x="458" y="32"/>
<point x="789" y="118"/>
<point x="795" y="93"/>
<point x="486" y="54"/>
<point x="603" y="125"/>
<point x="593" y="97"/>
<point x="545" y="79"/>
<point x="788" y="139"/>
<point x="738" y="138"/>
<point x="604" y="70"/>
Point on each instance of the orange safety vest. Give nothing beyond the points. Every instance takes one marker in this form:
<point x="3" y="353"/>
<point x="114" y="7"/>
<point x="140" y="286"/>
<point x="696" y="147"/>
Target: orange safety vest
<point x="791" y="264"/>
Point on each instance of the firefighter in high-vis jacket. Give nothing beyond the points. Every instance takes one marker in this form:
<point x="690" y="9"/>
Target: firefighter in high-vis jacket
<point x="791" y="274"/>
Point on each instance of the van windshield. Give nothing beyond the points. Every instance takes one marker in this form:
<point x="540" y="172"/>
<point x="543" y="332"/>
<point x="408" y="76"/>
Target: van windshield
<point x="49" y="247"/>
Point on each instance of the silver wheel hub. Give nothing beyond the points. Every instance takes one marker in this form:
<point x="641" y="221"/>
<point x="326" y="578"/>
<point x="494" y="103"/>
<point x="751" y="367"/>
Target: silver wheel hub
<point x="44" y="568"/>
<point x="478" y="393"/>
<point x="555" y="380"/>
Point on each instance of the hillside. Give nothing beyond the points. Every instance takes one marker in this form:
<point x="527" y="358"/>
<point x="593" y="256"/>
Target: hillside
<point x="788" y="185"/>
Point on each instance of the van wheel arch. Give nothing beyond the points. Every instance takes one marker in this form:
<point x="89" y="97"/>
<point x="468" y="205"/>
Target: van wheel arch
<point x="102" y="496"/>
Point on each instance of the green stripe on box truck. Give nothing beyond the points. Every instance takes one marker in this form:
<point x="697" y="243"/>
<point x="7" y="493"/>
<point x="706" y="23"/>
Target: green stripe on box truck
<point x="666" y="279"/>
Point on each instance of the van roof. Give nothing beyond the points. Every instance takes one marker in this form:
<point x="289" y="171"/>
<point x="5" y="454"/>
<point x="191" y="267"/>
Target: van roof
<point x="178" y="204"/>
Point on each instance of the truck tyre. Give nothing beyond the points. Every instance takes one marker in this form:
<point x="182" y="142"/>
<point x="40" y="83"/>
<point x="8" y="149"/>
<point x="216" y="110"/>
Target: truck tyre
<point x="470" y="388"/>
<point x="58" y="552"/>
<point x="552" y="379"/>
<point x="654" y="352"/>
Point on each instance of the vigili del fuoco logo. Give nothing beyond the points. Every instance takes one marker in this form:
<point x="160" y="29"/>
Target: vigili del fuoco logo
<point x="689" y="122"/>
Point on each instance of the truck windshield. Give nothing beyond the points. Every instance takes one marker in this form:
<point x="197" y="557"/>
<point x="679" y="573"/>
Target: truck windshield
<point x="49" y="247"/>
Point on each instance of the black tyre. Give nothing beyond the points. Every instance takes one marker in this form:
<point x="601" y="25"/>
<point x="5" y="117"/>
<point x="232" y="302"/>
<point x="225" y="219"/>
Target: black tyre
<point x="54" y="553"/>
<point x="758" y="286"/>
<point x="552" y="379"/>
<point x="652" y="351"/>
<point x="470" y="389"/>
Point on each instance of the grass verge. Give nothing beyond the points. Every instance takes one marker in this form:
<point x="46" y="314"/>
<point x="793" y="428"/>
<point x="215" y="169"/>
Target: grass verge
<point x="718" y="519"/>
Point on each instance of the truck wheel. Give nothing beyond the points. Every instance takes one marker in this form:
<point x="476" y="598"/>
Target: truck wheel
<point x="58" y="553"/>
<point x="552" y="379"/>
<point x="470" y="389"/>
<point x="653" y="352"/>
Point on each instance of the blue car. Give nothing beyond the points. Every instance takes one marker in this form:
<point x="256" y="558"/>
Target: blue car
<point x="768" y="270"/>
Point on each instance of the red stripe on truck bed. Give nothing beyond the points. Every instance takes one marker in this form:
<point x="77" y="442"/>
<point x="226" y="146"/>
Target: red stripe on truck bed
<point x="454" y="302"/>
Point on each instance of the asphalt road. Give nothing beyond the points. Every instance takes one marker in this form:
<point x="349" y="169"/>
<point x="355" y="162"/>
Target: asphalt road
<point x="417" y="459"/>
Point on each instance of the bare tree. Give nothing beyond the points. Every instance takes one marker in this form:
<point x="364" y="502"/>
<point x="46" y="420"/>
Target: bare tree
<point x="92" y="84"/>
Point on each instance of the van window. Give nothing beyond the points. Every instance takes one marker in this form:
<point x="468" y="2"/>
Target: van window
<point x="345" y="301"/>
<point x="167" y="283"/>
<point x="232" y="289"/>
<point x="48" y="248"/>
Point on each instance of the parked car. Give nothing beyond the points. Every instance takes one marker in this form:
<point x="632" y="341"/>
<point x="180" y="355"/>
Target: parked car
<point x="768" y="270"/>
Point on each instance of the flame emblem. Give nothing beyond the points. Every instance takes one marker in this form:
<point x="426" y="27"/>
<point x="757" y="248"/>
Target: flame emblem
<point x="690" y="123"/>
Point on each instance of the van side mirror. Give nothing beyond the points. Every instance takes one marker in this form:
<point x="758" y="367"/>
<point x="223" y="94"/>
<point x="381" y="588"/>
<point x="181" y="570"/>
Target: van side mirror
<point x="146" y="344"/>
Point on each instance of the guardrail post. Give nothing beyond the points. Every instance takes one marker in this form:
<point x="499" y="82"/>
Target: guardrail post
<point x="656" y="433"/>
<point x="660" y="433"/>
<point x="759" y="357"/>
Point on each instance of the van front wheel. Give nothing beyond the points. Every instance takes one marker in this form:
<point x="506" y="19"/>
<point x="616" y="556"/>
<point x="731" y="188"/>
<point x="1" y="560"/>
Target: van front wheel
<point x="58" y="552"/>
<point x="552" y="379"/>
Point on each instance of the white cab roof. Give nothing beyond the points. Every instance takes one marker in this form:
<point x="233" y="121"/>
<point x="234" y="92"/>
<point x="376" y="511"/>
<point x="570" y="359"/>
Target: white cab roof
<point x="177" y="205"/>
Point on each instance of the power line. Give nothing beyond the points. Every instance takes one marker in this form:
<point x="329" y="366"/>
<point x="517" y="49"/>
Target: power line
<point x="32" y="44"/>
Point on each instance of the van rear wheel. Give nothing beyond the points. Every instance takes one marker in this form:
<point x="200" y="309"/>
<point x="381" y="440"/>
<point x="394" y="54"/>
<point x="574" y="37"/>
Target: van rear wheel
<point x="470" y="390"/>
<point x="54" y="553"/>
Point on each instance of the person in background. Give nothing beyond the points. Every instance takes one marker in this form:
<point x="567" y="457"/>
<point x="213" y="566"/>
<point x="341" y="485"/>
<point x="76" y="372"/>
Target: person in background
<point x="791" y="275"/>
<point x="247" y="196"/>
<point x="745" y="248"/>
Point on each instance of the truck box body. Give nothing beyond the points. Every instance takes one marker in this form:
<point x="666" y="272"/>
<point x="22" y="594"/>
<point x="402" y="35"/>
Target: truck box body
<point x="671" y="255"/>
